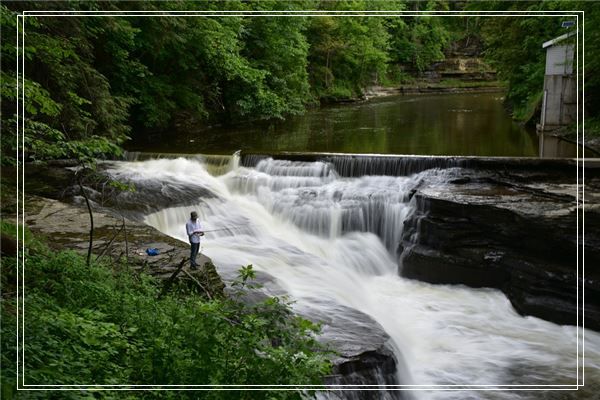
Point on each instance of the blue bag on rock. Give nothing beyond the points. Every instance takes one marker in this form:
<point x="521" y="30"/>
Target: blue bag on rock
<point x="153" y="251"/>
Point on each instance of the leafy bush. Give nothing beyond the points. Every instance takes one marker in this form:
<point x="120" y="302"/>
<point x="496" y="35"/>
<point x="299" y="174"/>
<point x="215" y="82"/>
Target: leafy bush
<point x="102" y="325"/>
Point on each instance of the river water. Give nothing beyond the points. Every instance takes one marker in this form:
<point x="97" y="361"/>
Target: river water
<point x="434" y="124"/>
<point x="458" y="124"/>
<point x="329" y="241"/>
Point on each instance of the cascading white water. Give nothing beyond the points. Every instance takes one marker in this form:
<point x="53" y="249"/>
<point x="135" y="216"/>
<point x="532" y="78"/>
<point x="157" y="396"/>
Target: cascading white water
<point x="329" y="241"/>
<point x="313" y="197"/>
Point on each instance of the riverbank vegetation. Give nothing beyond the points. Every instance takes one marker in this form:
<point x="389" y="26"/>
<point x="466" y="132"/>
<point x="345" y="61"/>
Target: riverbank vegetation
<point x="513" y="47"/>
<point x="90" y="83"/>
<point x="106" y="324"/>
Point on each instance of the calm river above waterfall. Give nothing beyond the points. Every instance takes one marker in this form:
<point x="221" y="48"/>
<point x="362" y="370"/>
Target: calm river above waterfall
<point x="433" y="124"/>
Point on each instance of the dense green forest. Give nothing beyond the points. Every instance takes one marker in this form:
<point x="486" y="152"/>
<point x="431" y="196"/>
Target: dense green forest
<point x="92" y="82"/>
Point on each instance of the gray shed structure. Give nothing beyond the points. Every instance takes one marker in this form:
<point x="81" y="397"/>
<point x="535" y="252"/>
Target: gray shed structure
<point x="559" y="104"/>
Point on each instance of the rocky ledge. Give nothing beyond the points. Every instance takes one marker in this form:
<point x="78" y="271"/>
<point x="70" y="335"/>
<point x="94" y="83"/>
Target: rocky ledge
<point x="514" y="234"/>
<point x="364" y="354"/>
<point x="115" y="237"/>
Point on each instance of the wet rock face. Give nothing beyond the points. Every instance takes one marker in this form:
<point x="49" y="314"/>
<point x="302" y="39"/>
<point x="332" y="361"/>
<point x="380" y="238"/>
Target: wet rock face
<point x="147" y="195"/>
<point x="520" y="238"/>
<point x="363" y="355"/>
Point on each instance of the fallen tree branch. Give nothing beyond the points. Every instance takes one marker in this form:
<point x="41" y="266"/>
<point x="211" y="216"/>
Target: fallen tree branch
<point x="110" y="242"/>
<point x="169" y="281"/>
<point x="89" y="208"/>
<point x="198" y="283"/>
<point x="126" y="242"/>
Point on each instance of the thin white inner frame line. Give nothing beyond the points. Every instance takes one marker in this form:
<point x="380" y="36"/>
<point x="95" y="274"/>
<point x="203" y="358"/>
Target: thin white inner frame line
<point x="22" y="287"/>
<point x="244" y="13"/>
<point x="327" y="389"/>
<point x="313" y="12"/>
<point x="268" y="14"/>
<point x="512" y="387"/>
<point x="19" y="241"/>
<point x="577" y="186"/>
<point x="583" y="190"/>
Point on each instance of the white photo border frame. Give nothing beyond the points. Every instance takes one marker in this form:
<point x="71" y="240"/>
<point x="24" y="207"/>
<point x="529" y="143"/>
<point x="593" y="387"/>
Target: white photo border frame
<point x="580" y="29"/>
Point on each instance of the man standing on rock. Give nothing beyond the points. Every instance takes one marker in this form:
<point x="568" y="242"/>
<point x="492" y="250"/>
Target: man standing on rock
<point x="194" y="231"/>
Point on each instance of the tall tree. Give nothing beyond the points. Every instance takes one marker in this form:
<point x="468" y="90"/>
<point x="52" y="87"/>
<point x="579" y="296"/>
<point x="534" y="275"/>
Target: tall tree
<point x="419" y="41"/>
<point x="514" y="47"/>
<point x="69" y="108"/>
<point x="346" y="53"/>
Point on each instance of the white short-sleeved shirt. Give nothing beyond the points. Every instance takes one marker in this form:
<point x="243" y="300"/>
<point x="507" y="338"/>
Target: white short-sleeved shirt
<point x="190" y="227"/>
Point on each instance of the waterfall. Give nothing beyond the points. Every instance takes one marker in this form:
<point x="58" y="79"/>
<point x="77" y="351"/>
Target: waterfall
<point x="215" y="164"/>
<point x="311" y="195"/>
<point x="330" y="242"/>
<point x="357" y="165"/>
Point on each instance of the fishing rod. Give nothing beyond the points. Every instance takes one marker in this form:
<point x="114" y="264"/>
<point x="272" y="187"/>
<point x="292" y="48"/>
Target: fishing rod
<point x="227" y="228"/>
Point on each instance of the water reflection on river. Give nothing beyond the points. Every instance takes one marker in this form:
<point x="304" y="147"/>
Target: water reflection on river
<point x="441" y="124"/>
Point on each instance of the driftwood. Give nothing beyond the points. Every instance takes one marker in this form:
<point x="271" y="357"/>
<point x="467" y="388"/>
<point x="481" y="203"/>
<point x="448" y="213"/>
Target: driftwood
<point x="111" y="241"/>
<point x="126" y="241"/>
<point x="169" y="282"/>
<point x="171" y="279"/>
<point x="199" y="284"/>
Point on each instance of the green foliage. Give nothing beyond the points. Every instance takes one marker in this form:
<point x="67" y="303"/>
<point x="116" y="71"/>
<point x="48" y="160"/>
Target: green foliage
<point x="278" y="47"/>
<point x="91" y="81"/>
<point x="592" y="58"/>
<point x="246" y="273"/>
<point x="346" y="53"/>
<point x="97" y="325"/>
<point x="417" y="42"/>
<point x="514" y="47"/>
<point x="592" y="127"/>
<point x="68" y="106"/>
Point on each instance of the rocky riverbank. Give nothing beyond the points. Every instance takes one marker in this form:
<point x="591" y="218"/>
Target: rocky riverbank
<point x="427" y="87"/>
<point x="115" y="237"/>
<point x="511" y="232"/>
<point x="463" y="70"/>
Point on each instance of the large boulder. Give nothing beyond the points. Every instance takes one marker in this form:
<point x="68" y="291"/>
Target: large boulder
<point x="521" y="238"/>
<point x="364" y="355"/>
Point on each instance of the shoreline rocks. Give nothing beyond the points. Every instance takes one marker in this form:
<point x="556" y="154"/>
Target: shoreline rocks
<point x="67" y="226"/>
<point x="520" y="238"/>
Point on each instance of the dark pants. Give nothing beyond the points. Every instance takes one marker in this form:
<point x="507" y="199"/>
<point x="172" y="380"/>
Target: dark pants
<point x="194" y="253"/>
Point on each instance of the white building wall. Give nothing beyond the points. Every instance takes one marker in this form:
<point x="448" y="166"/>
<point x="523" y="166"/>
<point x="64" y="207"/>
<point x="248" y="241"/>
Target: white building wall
<point x="559" y="60"/>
